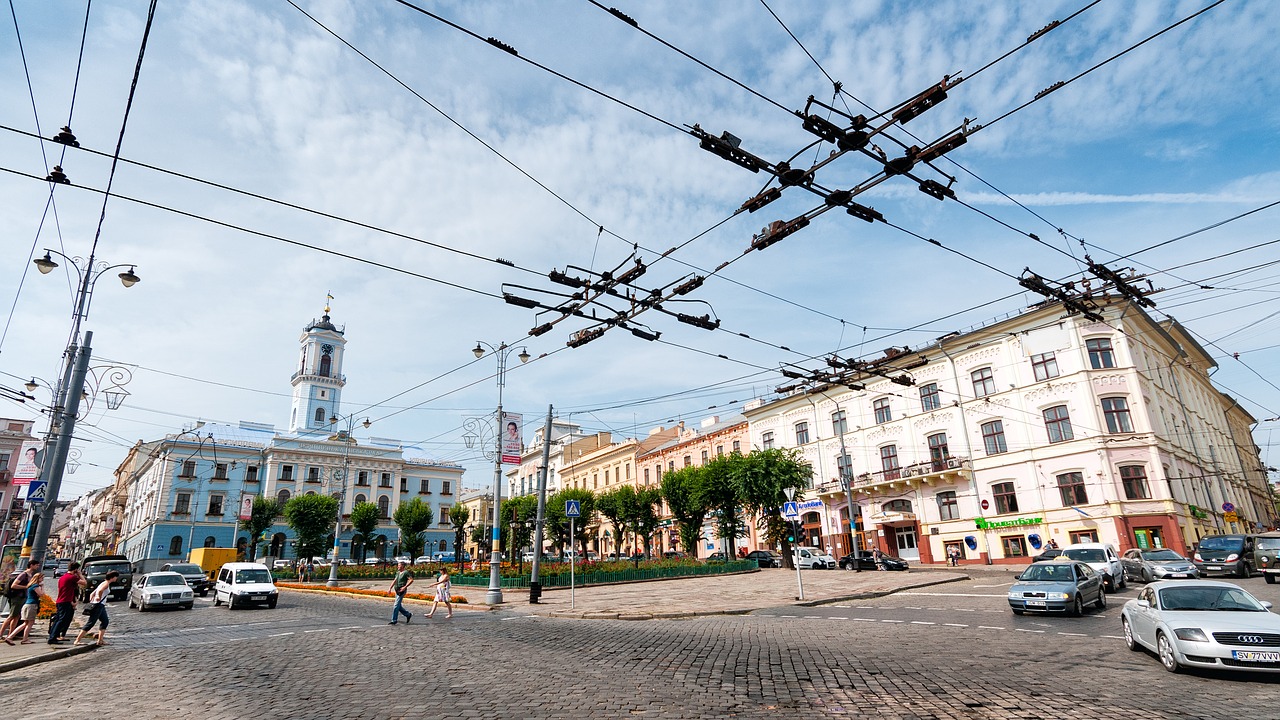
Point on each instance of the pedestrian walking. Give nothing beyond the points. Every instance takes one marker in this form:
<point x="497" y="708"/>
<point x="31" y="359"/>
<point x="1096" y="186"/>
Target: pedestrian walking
<point x="68" y="587"/>
<point x="16" y="594"/>
<point x="879" y="556"/>
<point x="97" y="610"/>
<point x="443" y="589"/>
<point x="400" y="586"/>
<point x="953" y="554"/>
<point x="30" y="609"/>
<point x="311" y="571"/>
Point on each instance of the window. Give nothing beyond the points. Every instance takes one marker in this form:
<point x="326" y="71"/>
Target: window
<point x="424" y="486"/>
<point x="704" y="457"/>
<point x="286" y="473"/>
<point x="444" y="487"/>
<point x="319" y="416"/>
<point x="938" y="451"/>
<point x="215" y="505"/>
<point x="1058" y="423"/>
<point x="737" y="446"/>
<point x="984" y="383"/>
<point x="883" y="413"/>
<point x="210" y="541"/>
<point x="766" y="441"/>
<point x="220" y="471"/>
<point x="175" y="545"/>
<point x="898" y="506"/>
<point x="688" y="460"/>
<point x="671" y="464"/>
<point x="313" y="474"/>
<point x="948" y="506"/>
<point x="326" y="359"/>
<point x="1006" y="498"/>
<point x="1116" y="412"/>
<point x="359" y="498"/>
<point x="839" y="423"/>
<point x="1014" y="545"/>
<point x="444" y="520"/>
<point x="628" y="470"/>
<point x="1044" y="365"/>
<point x="251" y="473"/>
<point x="719" y="451"/>
<point x="404" y="484"/>
<point x="1101" y="355"/>
<point x="1134" y="478"/>
<point x="182" y="504"/>
<point x="282" y="497"/>
<point x="930" y="399"/>
<point x="384" y="507"/>
<point x="844" y="467"/>
<point x="1071" y="487"/>
<point x="188" y="468"/>
<point x="889" y="462"/>
<point x="646" y="476"/>
<point x="802" y="433"/>
<point x="1084" y="536"/>
<point x="384" y="480"/>
<point x="993" y="437"/>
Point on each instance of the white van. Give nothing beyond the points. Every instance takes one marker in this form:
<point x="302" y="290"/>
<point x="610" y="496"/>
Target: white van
<point x="1103" y="558"/>
<point x="243" y="583"/>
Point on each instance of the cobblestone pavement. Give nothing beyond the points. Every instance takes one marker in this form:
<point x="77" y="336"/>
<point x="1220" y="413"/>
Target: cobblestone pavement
<point x="320" y="656"/>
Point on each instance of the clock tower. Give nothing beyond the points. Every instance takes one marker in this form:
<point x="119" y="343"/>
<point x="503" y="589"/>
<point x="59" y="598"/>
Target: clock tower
<point x="318" y="379"/>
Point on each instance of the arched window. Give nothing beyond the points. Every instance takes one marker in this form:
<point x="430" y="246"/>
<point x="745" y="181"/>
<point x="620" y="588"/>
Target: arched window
<point x="361" y="498"/>
<point x="326" y="360"/>
<point x="319" y="416"/>
<point x="384" y="507"/>
<point x="282" y="497"/>
<point x="901" y="506"/>
<point x="210" y="541"/>
<point x="175" y="545"/>
<point x="443" y="546"/>
<point x="277" y="545"/>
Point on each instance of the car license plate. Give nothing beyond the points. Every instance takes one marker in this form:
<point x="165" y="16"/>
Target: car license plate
<point x="1035" y="603"/>
<point x="1215" y="567"/>
<point x="1176" y="575"/>
<point x="257" y="597"/>
<point x="169" y="602"/>
<point x="1255" y="656"/>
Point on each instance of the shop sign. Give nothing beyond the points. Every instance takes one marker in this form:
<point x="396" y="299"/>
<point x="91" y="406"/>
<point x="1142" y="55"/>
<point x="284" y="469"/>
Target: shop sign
<point x="1230" y="517"/>
<point x="984" y="524"/>
<point x="1197" y="512"/>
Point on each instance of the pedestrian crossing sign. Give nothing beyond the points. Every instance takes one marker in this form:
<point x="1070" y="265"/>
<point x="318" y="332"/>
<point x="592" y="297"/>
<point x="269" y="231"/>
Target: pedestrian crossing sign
<point x="37" y="491"/>
<point x="790" y="510"/>
<point x="572" y="508"/>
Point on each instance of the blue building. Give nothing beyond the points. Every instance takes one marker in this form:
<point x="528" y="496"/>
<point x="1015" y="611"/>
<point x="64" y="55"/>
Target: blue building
<point x="191" y="488"/>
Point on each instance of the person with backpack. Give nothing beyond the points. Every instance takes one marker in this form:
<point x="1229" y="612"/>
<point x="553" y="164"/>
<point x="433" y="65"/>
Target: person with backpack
<point x="30" y="609"/>
<point x="97" y="610"/>
<point x="16" y="594"/>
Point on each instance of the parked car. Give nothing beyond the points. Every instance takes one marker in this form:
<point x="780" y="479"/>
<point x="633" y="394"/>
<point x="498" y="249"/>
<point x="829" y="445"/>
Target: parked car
<point x="673" y="555"/>
<point x="63" y="565"/>
<point x="282" y="564"/>
<point x="193" y="574"/>
<point x="814" y="558"/>
<point x="1205" y="624"/>
<point x="1266" y="556"/>
<point x="1157" y="564"/>
<point x="1103" y="558"/>
<point x="763" y="558"/>
<point x="241" y="584"/>
<point x="422" y="560"/>
<point x="1048" y="554"/>
<point x="1227" y="554"/>
<point x="1058" y="586"/>
<point x="161" y="589"/>
<point x="403" y="558"/>
<point x="95" y="569"/>
<point x="866" y="560"/>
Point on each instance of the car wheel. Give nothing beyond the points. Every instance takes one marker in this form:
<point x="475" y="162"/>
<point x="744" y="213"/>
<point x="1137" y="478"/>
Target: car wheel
<point x="1146" y="575"/>
<point x="1102" y="601"/>
<point x="131" y="605"/>
<point x="1129" y="640"/>
<point x="216" y="600"/>
<point x="1242" y="570"/>
<point x="1124" y="581"/>
<point x="1164" y="648"/>
<point x="1077" y="607"/>
<point x="272" y="604"/>
<point x="1271" y="579"/>
<point x="231" y="602"/>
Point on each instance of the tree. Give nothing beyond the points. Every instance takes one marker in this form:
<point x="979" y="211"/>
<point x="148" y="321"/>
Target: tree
<point x="617" y="506"/>
<point x="518" y="516"/>
<point x="723" y="499"/>
<point x="413" y="518"/>
<point x="311" y="517"/>
<point x="261" y="518"/>
<point x="364" y="519"/>
<point x="762" y="478"/>
<point x="459" y="516"/>
<point x="684" y="491"/>
<point x="644" y="518"/>
<point x="586" y="502"/>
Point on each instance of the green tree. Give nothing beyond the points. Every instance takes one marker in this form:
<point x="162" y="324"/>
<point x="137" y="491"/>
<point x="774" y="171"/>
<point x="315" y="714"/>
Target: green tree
<point x="763" y="477"/>
<point x="261" y="518"/>
<point x="582" y="526"/>
<point x="364" y="519"/>
<point x="723" y="499"/>
<point x="644" y="518"/>
<point x="518" y="515"/>
<point x="459" y="516"/>
<point x="413" y="518"/>
<point x="684" y="492"/>
<point x="311" y="519"/>
<point x="617" y="506"/>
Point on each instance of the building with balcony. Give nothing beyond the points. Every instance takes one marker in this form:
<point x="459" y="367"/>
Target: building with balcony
<point x="13" y="433"/>
<point x="523" y="479"/>
<point x="1041" y="427"/>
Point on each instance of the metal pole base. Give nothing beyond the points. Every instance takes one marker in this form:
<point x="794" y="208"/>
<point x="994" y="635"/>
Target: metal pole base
<point x="535" y="592"/>
<point x="493" y="597"/>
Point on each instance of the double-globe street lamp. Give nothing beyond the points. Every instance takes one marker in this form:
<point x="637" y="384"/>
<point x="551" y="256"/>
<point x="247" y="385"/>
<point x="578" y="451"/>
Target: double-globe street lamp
<point x="342" y="489"/>
<point x="71" y="386"/>
<point x="502" y="351"/>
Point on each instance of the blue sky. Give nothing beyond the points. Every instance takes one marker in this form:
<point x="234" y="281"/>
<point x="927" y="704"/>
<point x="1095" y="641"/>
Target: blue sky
<point x="1175" y="136"/>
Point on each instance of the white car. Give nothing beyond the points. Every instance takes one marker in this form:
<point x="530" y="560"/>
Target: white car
<point x="1203" y="624"/>
<point x="422" y="560"/>
<point x="161" y="589"/>
<point x="243" y="583"/>
<point x="814" y="558"/>
<point x="1103" y="558"/>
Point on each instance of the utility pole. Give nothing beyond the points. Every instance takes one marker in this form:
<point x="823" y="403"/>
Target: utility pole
<point x="535" y="583"/>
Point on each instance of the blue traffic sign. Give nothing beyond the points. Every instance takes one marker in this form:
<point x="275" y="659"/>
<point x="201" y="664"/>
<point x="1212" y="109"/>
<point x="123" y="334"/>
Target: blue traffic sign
<point x="572" y="508"/>
<point x="790" y="510"/>
<point x="37" y="491"/>
<point x="1226" y="506"/>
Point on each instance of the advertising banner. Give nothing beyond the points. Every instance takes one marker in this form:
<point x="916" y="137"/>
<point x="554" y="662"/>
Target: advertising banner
<point x="29" y="459"/>
<point x="512" y="438"/>
<point x="246" y="507"/>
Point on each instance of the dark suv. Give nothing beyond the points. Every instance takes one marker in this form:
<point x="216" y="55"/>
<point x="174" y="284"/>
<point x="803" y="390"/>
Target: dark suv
<point x="193" y="574"/>
<point x="95" y="569"/>
<point x="1230" y="554"/>
<point x="765" y="558"/>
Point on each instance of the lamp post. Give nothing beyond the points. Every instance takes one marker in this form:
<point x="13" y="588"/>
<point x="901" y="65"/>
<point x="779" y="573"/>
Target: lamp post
<point x="70" y="388"/>
<point x="342" y="490"/>
<point x="845" y="466"/>
<point x="494" y="596"/>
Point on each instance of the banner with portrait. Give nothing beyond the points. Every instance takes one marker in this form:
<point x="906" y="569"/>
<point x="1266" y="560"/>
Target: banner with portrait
<point x="512" y="438"/>
<point x="29" y="459"/>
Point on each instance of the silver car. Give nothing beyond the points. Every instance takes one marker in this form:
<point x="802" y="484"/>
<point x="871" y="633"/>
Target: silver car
<point x="1057" y="586"/>
<point x="1205" y="624"/>
<point x="161" y="589"/>
<point x="1160" y="564"/>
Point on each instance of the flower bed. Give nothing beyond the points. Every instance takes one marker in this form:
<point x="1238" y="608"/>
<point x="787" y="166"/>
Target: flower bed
<point x="552" y="574"/>
<point x="425" y="597"/>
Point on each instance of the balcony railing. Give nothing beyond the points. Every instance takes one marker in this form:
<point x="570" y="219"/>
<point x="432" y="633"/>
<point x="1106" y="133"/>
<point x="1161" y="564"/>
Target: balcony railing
<point x="921" y="469"/>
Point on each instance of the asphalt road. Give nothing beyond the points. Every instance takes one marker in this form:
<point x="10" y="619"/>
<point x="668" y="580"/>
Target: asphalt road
<point x="941" y="653"/>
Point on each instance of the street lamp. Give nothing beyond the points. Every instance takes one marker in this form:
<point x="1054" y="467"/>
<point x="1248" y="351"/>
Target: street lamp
<point x="71" y="387"/>
<point x="342" y="488"/>
<point x="502" y="351"/>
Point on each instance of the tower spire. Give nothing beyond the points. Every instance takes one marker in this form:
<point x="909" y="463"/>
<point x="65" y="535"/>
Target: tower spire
<point x="328" y="298"/>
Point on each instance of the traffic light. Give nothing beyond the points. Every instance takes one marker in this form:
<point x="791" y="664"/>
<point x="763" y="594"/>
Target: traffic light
<point x="804" y="535"/>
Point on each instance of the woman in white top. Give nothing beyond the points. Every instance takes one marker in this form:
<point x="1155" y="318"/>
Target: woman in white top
<point x="98" y="610"/>
<point x="443" y="587"/>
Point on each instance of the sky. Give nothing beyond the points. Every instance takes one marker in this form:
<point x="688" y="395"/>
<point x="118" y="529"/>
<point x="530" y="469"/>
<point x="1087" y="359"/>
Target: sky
<point x="279" y="152"/>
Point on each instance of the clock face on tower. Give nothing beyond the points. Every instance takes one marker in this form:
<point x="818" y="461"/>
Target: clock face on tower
<point x="326" y="349"/>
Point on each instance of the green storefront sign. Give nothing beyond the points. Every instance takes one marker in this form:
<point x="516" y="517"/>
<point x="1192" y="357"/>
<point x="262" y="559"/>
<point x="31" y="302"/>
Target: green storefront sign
<point x="984" y="524"/>
<point x="1197" y="512"/>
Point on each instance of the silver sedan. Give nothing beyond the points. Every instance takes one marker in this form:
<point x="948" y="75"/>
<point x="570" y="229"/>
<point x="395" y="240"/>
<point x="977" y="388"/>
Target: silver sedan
<point x="1204" y="624"/>
<point x="161" y="589"/>
<point x="1157" y="564"/>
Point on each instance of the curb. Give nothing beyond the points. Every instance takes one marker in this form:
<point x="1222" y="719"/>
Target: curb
<point x="344" y="593"/>
<point x="46" y="657"/>
<point x="880" y="593"/>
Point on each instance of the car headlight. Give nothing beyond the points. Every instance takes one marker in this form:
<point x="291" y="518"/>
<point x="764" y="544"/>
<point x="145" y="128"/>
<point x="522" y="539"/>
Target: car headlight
<point x="1191" y="634"/>
<point x="1056" y="596"/>
<point x="1017" y="595"/>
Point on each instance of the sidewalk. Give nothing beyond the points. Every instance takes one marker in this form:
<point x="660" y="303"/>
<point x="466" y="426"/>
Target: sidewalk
<point x="20" y="656"/>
